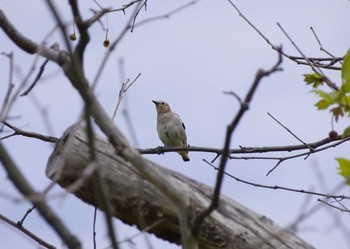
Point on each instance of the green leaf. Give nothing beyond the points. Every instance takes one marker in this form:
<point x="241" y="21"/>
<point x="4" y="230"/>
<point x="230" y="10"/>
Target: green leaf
<point x="346" y="133"/>
<point x="345" y="69"/>
<point x="327" y="99"/>
<point x="314" y="79"/>
<point x="323" y="104"/>
<point x="344" y="168"/>
<point x="345" y="88"/>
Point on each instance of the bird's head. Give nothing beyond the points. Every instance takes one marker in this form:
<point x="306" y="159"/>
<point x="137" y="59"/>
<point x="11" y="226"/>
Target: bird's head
<point x="162" y="106"/>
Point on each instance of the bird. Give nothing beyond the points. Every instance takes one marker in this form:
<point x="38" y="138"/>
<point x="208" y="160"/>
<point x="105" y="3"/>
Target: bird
<point x="170" y="128"/>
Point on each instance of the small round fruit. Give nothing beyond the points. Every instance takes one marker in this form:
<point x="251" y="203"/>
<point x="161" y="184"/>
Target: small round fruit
<point x="72" y="37"/>
<point x="333" y="135"/>
<point x="106" y="43"/>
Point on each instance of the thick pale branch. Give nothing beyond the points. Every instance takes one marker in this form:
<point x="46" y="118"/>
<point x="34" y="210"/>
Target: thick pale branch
<point x="137" y="202"/>
<point x="21" y="41"/>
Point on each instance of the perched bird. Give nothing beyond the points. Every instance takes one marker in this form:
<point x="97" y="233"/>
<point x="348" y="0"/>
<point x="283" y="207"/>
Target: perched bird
<point x="171" y="130"/>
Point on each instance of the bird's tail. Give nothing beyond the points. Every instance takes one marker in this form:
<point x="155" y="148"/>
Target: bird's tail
<point x="184" y="155"/>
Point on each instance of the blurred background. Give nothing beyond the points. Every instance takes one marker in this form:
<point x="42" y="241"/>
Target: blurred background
<point x="188" y="60"/>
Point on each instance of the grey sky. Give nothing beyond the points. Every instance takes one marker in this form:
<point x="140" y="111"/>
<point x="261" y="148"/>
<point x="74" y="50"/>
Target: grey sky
<point x="189" y="60"/>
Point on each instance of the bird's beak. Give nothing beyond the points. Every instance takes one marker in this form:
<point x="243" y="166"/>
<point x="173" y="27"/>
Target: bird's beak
<point x="155" y="102"/>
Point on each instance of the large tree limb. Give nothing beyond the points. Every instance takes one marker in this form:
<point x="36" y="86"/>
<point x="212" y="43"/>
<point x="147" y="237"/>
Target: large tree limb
<point x="137" y="202"/>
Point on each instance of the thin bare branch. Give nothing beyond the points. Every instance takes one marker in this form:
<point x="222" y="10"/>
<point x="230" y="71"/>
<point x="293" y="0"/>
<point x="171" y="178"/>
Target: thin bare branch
<point x="276" y="187"/>
<point x="18" y="131"/>
<point x="226" y="152"/>
<point x="124" y="88"/>
<point x="27" y="232"/>
<point x="313" y="67"/>
<point x="26" y="189"/>
<point x="9" y="87"/>
<point x="167" y="15"/>
<point x="41" y="70"/>
<point x="250" y="150"/>
<point x="342" y="208"/>
<point x="299" y="60"/>
<point x="292" y="133"/>
<point x="20" y="223"/>
<point x="320" y="44"/>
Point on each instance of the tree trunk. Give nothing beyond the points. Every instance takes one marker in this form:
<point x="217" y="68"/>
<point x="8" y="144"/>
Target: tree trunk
<point x="136" y="202"/>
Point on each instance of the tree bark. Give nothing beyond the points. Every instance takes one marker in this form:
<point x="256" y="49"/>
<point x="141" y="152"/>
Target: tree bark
<point x="137" y="202"/>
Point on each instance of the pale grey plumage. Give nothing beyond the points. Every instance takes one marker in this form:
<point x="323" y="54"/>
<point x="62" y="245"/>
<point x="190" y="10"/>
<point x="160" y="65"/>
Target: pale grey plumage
<point x="171" y="129"/>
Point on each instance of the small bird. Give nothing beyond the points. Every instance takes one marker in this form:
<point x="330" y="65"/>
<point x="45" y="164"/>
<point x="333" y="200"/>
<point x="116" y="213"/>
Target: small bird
<point x="171" y="130"/>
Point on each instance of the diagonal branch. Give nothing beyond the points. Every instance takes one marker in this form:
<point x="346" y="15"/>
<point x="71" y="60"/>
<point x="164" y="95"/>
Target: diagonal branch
<point x="26" y="189"/>
<point x="226" y="152"/>
<point x="27" y="232"/>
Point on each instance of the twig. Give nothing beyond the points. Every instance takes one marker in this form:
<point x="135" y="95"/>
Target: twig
<point x="251" y="150"/>
<point x="42" y="67"/>
<point x="94" y="228"/>
<point x="18" y="131"/>
<point x="276" y="187"/>
<point x="125" y="6"/>
<point x="225" y="154"/>
<point x="9" y="87"/>
<point x="343" y="208"/>
<point x="124" y="88"/>
<point x="320" y="44"/>
<point x="20" y="223"/>
<point x="99" y="186"/>
<point x="113" y="46"/>
<point x="293" y="134"/>
<point x="313" y="67"/>
<point x="144" y="4"/>
<point x="15" y="175"/>
<point x="234" y="95"/>
<point x="125" y="111"/>
<point x="27" y="232"/>
<point x="306" y="61"/>
<point x="167" y="15"/>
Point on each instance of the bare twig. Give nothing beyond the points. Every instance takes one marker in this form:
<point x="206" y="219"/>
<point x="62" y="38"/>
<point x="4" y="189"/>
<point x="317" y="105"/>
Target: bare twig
<point x="293" y="134"/>
<point x="299" y="60"/>
<point x="250" y="150"/>
<point x="94" y="228"/>
<point x="124" y="88"/>
<point x="27" y="232"/>
<point x="18" y="131"/>
<point x="313" y="67"/>
<point x="9" y="87"/>
<point x="26" y="189"/>
<point x="144" y="4"/>
<point x="113" y="46"/>
<point x="230" y="129"/>
<point x="20" y="223"/>
<point x="167" y="15"/>
<point x="276" y="187"/>
<point x="320" y="44"/>
<point x="41" y="70"/>
<point x="342" y="208"/>
<point x="125" y="6"/>
<point x="234" y="95"/>
<point x="125" y="110"/>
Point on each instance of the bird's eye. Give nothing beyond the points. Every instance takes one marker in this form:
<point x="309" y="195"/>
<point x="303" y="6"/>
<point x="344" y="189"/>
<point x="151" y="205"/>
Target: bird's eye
<point x="161" y="103"/>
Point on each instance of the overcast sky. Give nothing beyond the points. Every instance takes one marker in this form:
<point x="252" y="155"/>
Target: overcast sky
<point x="188" y="60"/>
